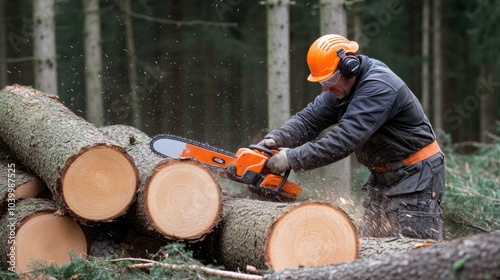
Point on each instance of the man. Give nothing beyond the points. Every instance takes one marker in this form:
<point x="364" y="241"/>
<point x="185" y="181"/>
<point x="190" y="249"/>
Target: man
<point x="382" y="122"/>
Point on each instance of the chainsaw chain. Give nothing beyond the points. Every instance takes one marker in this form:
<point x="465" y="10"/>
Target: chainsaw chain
<point x="192" y="142"/>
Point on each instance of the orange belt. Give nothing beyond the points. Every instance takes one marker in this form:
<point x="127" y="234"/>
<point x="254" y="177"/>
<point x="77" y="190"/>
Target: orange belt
<point x="424" y="153"/>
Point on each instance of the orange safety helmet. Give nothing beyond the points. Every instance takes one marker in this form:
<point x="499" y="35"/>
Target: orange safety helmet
<point x="322" y="57"/>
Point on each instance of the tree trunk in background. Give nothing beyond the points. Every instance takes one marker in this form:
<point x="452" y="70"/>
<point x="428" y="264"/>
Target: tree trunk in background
<point x="132" y="65"/>
<point x="44" y="46"/>
<point x="437" y="67"/>
<point x="332" y="17"/>
<point x="333" y="20"/>
<point x="487" y="112"/>
<point x="278" y="62"/>
<point x="3" y="47"/>
<point x="93" y="61"/>
<point x="426" y="19"/>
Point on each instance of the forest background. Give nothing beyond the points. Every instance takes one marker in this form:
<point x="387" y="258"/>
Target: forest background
<point x="206" y="70"/>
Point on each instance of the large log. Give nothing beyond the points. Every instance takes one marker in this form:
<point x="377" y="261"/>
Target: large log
<point x="178" y="199"/>
<point x="34" y="231"/>
<point x="87" y="172"/>
<point x="475" y="257"/>
<point x="278" y="235"/>
<point x="15" y="184"/>
<point x="377" y="246"/>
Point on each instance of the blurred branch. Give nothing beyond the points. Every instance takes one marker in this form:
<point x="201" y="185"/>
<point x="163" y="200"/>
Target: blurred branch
<point x="180" y="22"/>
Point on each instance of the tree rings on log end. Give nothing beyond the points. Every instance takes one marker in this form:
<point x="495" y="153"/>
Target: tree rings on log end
<point x="311" y="234"/>
<point x="100" y="183"/>
<point x="47" y="239"/>
<point x="183" y="199"/>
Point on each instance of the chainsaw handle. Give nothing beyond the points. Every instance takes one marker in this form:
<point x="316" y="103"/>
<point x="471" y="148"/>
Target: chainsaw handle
<point x="261" y="148"/>
<point x="283" y="181"/>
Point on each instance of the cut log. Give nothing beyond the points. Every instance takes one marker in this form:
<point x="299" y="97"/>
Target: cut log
<point x="17" y="184"/>
<point x="277" y="235"/>
<point x="476" y="257"/>
<point x="34" y="231"/>
<point x="86" y="172"/>
<point x="372" y="247"/>
<point x="178" y="199"/>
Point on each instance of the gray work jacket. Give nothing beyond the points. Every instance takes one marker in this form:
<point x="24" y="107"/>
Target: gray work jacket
<point x="380" y="120"/>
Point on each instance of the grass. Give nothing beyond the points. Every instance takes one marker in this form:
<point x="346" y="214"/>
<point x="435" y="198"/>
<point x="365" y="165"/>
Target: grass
<point x="471" y="202"/>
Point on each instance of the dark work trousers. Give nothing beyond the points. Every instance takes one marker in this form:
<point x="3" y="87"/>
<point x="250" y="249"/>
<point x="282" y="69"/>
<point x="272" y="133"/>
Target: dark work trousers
<point x="406" y="202"/>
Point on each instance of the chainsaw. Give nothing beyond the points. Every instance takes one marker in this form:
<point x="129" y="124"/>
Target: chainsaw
<point x="247" y="166"/>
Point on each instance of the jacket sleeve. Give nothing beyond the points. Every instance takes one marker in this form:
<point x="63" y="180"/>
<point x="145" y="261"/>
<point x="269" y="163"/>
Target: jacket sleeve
<point x="369" y="109"/>
<point x="308" y="123"/>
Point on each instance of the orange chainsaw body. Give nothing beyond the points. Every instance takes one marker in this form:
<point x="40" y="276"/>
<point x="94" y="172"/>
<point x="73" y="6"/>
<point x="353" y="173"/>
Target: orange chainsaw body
<point x="247" y="166"/>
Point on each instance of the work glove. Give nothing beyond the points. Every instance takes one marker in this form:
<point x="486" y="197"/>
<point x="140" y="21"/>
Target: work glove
<point x="279" y="162"/>
<point x="268" y="143"/>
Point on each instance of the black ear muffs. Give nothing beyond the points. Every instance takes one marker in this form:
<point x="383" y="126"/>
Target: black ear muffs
<point x="349" y="64"/>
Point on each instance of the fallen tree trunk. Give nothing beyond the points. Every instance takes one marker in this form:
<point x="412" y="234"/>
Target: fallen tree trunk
<point x="372" y="247"/>
<point x="476" y="257"/>
<point x="34" y="231"/>
<point x="279" y="235"/>
<point x="178" y="199"/>
<point x="86" y="172"/>
<point x="17" y="184"/>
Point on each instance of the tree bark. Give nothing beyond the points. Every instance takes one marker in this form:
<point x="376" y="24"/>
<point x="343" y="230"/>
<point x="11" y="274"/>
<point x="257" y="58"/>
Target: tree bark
<point x="17" y="184"/>
<point x="278" y="62"/>
<point x="279" y="235"/>
<point x="437" y="67"/>
<point x="425" y="69"/>
<point x="132" y="64"/>
<point x="31" y="228"/>
<point x="44" y="46"/>
<point x="3" y="46"/>
<point x="86" y="172"/>
<point x="178" y="199"/>
<point x="476" y="257"/>
<point x="372" y="247"/>
<point x="93" y="62"/>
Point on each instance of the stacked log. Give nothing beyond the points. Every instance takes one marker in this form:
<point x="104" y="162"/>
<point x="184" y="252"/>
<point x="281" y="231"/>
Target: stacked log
<point x="15" y="184"/>
<point x="178" y="199"/>
<point x="87" y="173"/>
<point x="35" y="231"/>
<point x="279" y="236"/>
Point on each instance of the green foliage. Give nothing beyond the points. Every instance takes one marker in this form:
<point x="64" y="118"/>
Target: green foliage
<point x="107" y="269"/>
<point x="472" y="198"/>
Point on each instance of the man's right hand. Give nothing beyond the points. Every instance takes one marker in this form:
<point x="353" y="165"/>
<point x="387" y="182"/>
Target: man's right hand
<point x="268" y="143"/>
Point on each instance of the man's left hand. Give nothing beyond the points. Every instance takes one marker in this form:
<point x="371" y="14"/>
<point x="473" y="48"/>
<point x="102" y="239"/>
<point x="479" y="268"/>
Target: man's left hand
<point x="279" y="162"/>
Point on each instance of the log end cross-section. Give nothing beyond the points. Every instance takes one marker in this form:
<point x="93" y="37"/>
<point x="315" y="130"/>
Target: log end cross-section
<point x="100" y="183"/>
<point x="311" y="234"/>
<point x="183" y="199"/>
<point x="48" y="239"/>
<point x="34" y="233"/>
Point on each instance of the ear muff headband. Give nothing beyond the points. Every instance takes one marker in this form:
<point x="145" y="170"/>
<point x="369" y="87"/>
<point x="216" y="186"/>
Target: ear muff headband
<point x="349" y="64"/>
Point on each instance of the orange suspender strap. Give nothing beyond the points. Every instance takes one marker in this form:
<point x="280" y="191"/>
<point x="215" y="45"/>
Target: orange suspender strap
<point x="424" y="153"/>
